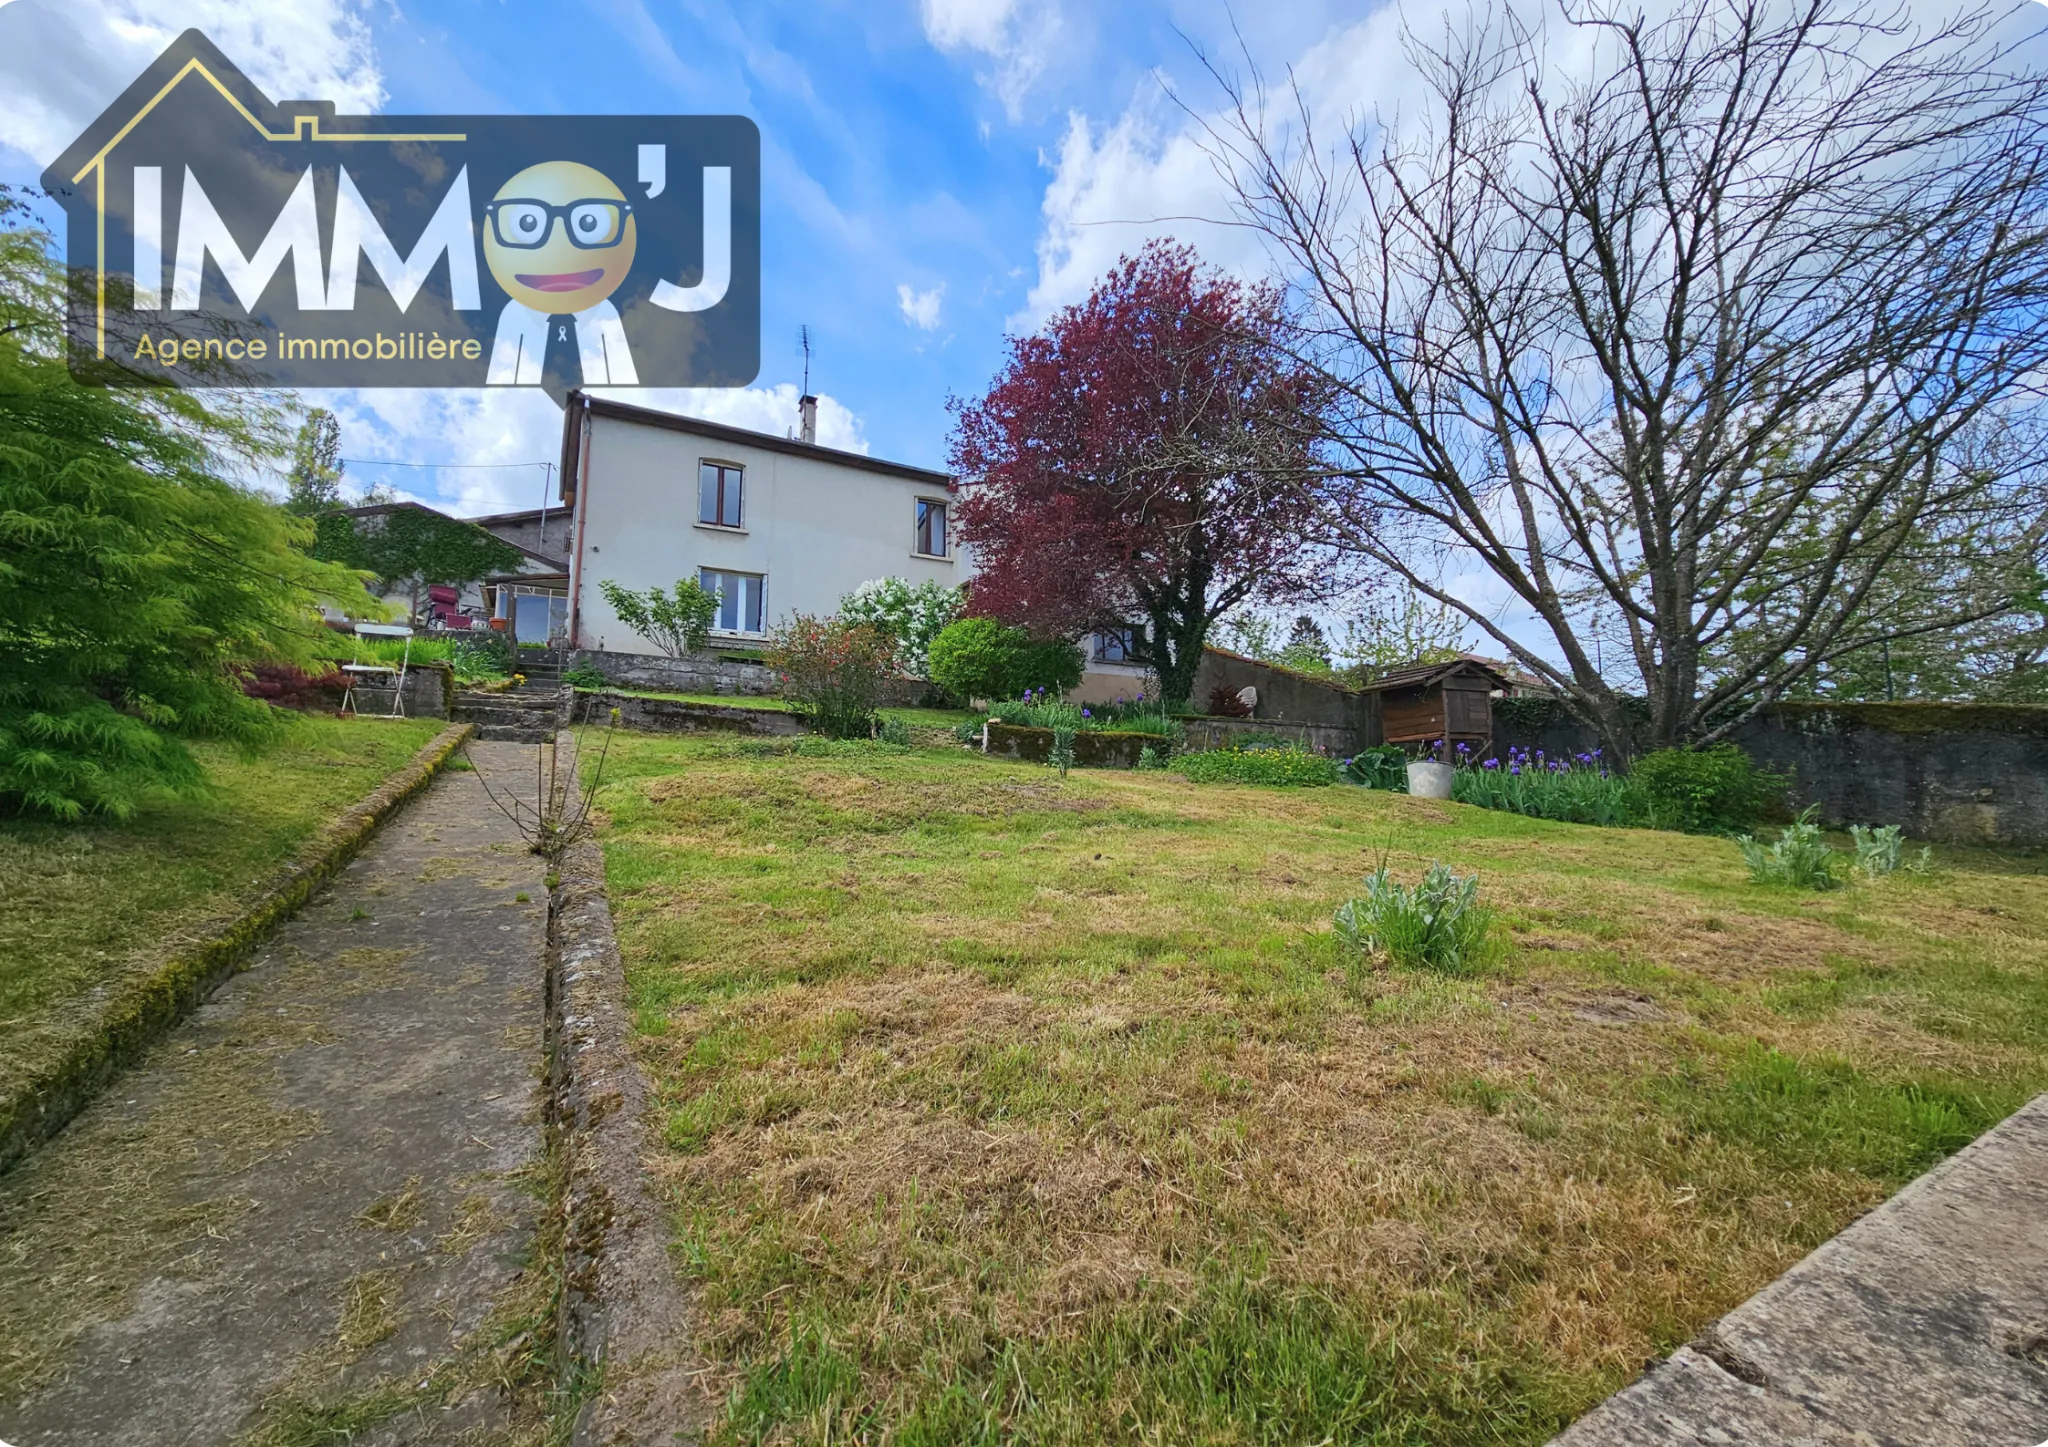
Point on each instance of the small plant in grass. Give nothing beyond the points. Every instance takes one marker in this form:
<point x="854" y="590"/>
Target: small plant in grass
<point x="1437" y="924"/>
<point x="1287" y="767"/>
<point x="1062" y="755"/>
<point x="1801" y="857"/>
<point x="893" y="731"/>
<point x="1149" y="760"/>
<point x="1882" y="850"/>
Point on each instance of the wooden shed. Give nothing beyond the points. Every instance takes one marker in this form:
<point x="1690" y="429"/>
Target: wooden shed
<point x="1429" y="701"/>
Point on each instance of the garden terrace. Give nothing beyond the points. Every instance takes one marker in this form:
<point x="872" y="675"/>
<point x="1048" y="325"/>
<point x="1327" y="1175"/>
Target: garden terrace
<point x="996" y="1107"/>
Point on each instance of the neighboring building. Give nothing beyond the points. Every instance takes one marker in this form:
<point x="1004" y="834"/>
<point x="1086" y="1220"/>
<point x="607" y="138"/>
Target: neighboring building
<point x="478" y="599"/>
<point x="773" y="525"/>
<point x="535" y="600"/>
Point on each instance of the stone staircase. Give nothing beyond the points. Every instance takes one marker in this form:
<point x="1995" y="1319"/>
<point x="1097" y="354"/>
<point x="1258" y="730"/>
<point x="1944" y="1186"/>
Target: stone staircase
<point x="525" y="714"/>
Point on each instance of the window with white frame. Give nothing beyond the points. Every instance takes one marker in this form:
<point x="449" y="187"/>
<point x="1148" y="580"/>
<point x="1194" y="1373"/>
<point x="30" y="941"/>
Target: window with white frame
<point x="718" y="493"/>
<point x="739" y="599"/>
<point x="931" y="527"/>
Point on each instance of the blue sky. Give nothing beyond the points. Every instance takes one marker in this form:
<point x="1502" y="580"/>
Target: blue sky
<point x="935" y="172"/>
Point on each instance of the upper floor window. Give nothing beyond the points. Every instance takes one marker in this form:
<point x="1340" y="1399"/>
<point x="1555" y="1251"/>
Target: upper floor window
<point x="739" y="599"/>
<point x="1113" y="645"/>
<point x="931" y="528"/>
<point x="718" y="493"/>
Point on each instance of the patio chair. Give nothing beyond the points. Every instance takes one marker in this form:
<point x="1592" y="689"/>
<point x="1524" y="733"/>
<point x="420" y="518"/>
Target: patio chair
<point x="378" y="675"/>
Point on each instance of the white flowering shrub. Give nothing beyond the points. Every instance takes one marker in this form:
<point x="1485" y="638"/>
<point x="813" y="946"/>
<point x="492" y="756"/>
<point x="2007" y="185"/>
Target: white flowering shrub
<point x="912" y="614"/>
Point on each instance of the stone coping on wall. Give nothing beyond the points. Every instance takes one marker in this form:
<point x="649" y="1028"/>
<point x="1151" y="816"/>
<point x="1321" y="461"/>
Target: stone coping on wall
<point x="141" y="1011"/>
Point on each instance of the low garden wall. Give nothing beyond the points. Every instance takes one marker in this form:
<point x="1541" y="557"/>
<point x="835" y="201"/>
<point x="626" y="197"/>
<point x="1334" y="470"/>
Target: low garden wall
<point x="429" y="693"/>
<point x="672" y="716"/>
<point x="1092" y="748"/>
<point x="708" y="672"/>
<point x="699" y="673"/>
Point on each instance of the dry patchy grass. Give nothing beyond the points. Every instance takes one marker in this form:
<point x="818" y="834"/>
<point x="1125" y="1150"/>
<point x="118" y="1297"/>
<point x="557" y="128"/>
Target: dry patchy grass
<point x="1000" y="1109"/>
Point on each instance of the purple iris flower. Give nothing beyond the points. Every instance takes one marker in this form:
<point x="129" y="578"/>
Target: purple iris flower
<point x="1491" y="764"/>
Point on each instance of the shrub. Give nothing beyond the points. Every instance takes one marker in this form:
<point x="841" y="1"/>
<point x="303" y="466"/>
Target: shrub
<point x="287" y="686"/>
<point x="1577" y="790"/>
<point x="893" y="731"/>
<point x="1801" y="857"/>
<point x="1224" y="703"/>
<point x="1716" y="790"/>
<point x="1383" y="766"/>
<point x="481" y="655"/>
<point x="677" y="622"/>
<point x="1286" y="767"/>
<point x="832" y="672"/>
<point x="1149" y="760"/>
<point x="981" y="658"/>
<point x="1437" y="924"/>
<point x="584" y="676"/>
<point x="912" y="615"/>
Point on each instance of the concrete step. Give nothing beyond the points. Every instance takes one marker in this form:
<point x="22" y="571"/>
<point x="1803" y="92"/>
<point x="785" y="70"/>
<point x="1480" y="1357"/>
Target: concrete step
<point x="512" y="734"/>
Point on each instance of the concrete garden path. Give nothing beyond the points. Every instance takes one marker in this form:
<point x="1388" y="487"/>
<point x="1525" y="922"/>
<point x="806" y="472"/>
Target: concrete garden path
<point x="308" y="1214"/>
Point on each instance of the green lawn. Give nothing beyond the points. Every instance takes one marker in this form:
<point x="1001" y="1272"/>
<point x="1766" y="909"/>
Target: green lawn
<point x="91" y="906"/>
<point x="1000" y="1109"/>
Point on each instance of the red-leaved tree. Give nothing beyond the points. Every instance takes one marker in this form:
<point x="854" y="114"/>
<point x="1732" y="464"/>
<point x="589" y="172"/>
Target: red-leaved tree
<point x="1147" y="459"/>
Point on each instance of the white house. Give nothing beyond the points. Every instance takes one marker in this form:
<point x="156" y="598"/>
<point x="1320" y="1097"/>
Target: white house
<point x="773" y="525"/>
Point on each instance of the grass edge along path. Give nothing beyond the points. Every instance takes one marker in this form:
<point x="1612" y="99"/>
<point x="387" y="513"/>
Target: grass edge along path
<point x="139" y="1012"/>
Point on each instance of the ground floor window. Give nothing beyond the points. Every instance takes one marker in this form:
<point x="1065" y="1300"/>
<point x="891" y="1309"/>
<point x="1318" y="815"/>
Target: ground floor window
<point x="739" y="599"/>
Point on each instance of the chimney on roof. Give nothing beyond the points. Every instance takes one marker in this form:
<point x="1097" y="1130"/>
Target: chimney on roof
<point x="807" y="412"/>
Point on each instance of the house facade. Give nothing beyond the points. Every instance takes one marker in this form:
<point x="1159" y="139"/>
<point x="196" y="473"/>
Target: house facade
<point x="774" y="526"/>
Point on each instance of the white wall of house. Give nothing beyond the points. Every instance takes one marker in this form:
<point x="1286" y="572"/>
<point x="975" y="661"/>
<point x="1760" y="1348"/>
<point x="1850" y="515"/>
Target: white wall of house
<point x="814" y="523"/>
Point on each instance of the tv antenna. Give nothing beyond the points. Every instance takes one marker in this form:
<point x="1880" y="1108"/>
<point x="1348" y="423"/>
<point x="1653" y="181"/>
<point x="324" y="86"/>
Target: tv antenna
<point x="803" y="337"/>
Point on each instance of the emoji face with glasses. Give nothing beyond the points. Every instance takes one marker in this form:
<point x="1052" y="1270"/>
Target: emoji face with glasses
<point x="559" y="237"/>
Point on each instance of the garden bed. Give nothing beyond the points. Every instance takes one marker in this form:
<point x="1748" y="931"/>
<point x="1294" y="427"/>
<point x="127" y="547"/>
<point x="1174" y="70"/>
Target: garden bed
<point x="993" y="1106"/>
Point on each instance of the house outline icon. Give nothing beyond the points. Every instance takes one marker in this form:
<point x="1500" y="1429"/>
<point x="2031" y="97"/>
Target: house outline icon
<point x="193" y="54"/>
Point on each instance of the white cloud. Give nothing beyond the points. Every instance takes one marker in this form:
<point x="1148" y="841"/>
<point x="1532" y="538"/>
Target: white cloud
<point x="522" y="426"/>
<point x="1019" y="36"/>
<point x="62" y="62"/>
<point x="920" y="308"/>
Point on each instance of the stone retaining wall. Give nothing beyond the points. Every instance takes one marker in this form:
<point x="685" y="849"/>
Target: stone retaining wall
<point x="429" y="693"/>
<point x="672" y="716"/>
<point x="1338" y="741"/>
<point x="1092" y="748"/>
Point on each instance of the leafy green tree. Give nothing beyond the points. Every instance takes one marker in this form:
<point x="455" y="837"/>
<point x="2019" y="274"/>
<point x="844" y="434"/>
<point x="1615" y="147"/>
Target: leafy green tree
<point x="313" y="485"/>
<point x="413" y="548"/>
<point x="135" y="578"/>
<point x="676" y="622"/>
